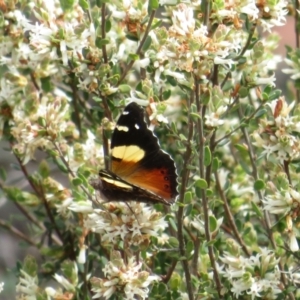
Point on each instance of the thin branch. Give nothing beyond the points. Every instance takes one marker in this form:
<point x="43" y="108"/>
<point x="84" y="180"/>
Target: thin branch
<point x="230" y="217"/>
<point x="167" y="277"/>
<point x="103" y="32"/>
<point x="39" y="194"/>
<point x="199" y="126"/>
<point x="139" y="49"/>
<point x="242" y="124"/>
<point x="184" y="182"/>
<point x="17" y="233"/>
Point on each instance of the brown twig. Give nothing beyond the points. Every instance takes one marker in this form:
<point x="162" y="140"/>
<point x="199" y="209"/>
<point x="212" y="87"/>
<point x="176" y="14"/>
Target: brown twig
<point x="17" y="233"/>
<point x="199" y="126"/>
<point x="184" y="182"/>
<point x="139" y="49"/>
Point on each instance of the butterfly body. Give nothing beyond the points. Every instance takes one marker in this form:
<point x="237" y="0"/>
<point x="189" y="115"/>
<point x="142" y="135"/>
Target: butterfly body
<point x="140" y="170"/>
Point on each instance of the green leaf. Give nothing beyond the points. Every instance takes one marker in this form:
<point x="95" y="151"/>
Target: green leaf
<point x="66" y="4"/>
<point x="124" y="88"/>
<point x="84" y="4"/>
<point x="107" y="25"/>
<point x="201" y="183"/>
<point x="166" y="94"/>
<point x="41" y="121"/>
<point x="30" y="265"/>
<point x="189" y="248"/>
<point x="275" y="94"/>
<point x="215" y="164"/>
<point x="171" y="80"/>
<point x="153" y="5"/>
<point x="3" y="174"/>
<point x="188" y="196"/>
<point x="209" y="192"/>
<point x="60" y="164"/>
<point x="133" y="56"/>
<point x="243" y="92"/>
<point x="212" y="223"/>
<point x="47" y="85"/>
<point x="260" y="113"/>
<point x="241" y="148"/>
<point x="198" y="192"/>
<point x="76" y="181"/>
<point x="207" y="156"/>
<point x="44" y="169"/>
<point x="101" y="42"/>
<point x="173" y="242"/>
<point x="257" y="210"/>
<point x="195" y="116"/>
<point x="259" y="185"/>
<point x="147" y="43"/>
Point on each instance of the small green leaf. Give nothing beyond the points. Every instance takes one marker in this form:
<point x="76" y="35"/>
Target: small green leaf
<point x="66" y="4"/>
<point x="242" y="148"/>
<point x="3" y="174"/>
<point x="44" y="169"/>
<point x="60" y="164"/>
<point x="198" y="192"/>
<point x="209" y="192"/>
<point x="212" y="223"/>
<point x="41" y="121"/>
<point x="76" y="181"/>
<point x="275" y="95"/>
<point x="171" y="80"/>
<point x="215" y="164"/>
<point x="207" y="156"/>
<point x="84" y="4"/>
<point x="201" y="183"/>
<point x="124" y="88"/>
<point x="147" y="43"/>
<point x="195" y="116"/>
<point x="47" y="85"/>
<point x="30" y="265"/>
<point x="173" y="242"/>
<point x="257" y="210"/>
<point x="188" y="196"/>
<point x="243" y="92"/>
<point x="153" y="5"/>
<point x="260" y="113"/>
<point x="101" y="42"/>
<point x="166" y="94"/>
<point x="259" y="185"/>
<point x="133" y="56"/>
<point x="107" y="25"/>
<point x="211" y="242"/>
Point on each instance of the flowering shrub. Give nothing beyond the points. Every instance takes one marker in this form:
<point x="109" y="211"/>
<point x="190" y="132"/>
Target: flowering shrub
<point x="206" y="78"/>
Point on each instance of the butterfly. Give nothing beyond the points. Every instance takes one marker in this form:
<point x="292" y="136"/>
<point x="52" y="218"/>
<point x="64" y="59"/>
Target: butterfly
<point x="140" y="170"/>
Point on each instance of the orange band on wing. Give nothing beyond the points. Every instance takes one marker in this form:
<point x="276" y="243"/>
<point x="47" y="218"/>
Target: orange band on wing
<point x="155" y="180"/>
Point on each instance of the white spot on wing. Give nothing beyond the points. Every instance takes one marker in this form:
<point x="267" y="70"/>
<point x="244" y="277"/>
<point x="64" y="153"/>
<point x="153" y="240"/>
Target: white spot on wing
<point x="125" y="112"/>
<point x="137" y="126"/>
<point x="122" y="128"/>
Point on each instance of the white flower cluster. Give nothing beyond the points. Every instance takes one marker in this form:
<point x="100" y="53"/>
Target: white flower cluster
<point x="134" y="223"/>
<point x="257" y="275"/>
<point x="126" y="278"/>
<point x="276" y="135"/>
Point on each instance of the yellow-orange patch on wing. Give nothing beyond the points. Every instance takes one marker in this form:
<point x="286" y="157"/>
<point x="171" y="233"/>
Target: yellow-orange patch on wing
<point x="129" y="153"/>
<point x="122" y="128"/>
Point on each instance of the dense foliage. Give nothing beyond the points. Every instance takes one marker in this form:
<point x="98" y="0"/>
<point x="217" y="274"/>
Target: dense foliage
<point x="205" y="73"/>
